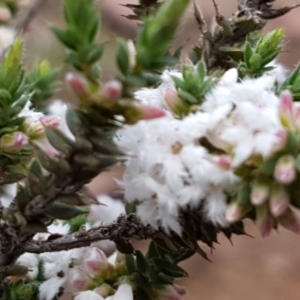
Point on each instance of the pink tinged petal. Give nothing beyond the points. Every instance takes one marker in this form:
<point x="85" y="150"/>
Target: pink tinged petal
<point x="279" y="200"/>
<point x="77" y="279"/>
<point x="5" y="14"/>
<point x="95" y="260"/>
<point x="112" y="90"/>
<point x="281" y="135"/>
<point x="124" y="292"/>
<point x="264" y="221"/>
<point x="50" y="121"/>
<point x="285" y="109"/>
<point x="13" y="141"/>
<point x="150" y="112"/>
<point x="290" y="221"/>
<point x="234" y="212"/>
<point x="285" y="171"/>
<point x="171" y="98"/>
<point x="296" y="114"/>
<point x="260" y="192"/>
<point x="223" y="161"/>
<point x="77" y="84"/>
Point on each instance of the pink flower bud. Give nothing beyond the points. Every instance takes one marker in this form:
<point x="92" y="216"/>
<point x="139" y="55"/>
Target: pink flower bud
<point x="290" y="221"/>
<point x="34" y="129"/>
<point x="285" y="109"/>
<point x="223" y="161"/>
<point x="260" y="192"/>
<point x="77" y="279"/>
<point x="77" y="84"/>
<point x="170" y="292"/>
<point x="5" y="14"/>
<point x="150" y="112"/>
<point x="112" y="90"/>
<point x="234" y="212"/>
<point x="264" y="221"/>
<point x="281" y="138"/>
<point x="50" y="121"/>
<point x="104" y="290"/>
<point x="285" y="172"/>
<point x="296" y="114"/>
<point x="286" y="103"/>
<point x="13" y="141"/>
<point x="171" y="98"/>
<point x="279" y="200"/>
<point x="95" y="260"/>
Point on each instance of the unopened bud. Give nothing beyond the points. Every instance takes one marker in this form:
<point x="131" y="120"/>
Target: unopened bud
<point x="50" y="121"/>
<point x="13" y="141"/>
<point x="112" y="90"/>
<point x="279" y="200"/>
<point x="264" y="220"/>
<point x="34" y="129"/>
<point x="290" y="221"/>
<point x="78" y="279"/>
<point x="132" y="53"/>
<point x="285" y="172"/>
<point x="296" y="115"/>
<point x="150" y="112"/>
<point x="104" y="290"/>
<point x="95" y="260"/>
<point x="281" y="135"/>
<point x="223" y="161"/>
<point x="285" y="108"/>
<point x="77" y="84"/>
<point x="5" y="14"/>
<point x="234" y="212"/>
<point x="260" y="192"/>
<point x="171" y="98"/>
<point x="169" y="292"/>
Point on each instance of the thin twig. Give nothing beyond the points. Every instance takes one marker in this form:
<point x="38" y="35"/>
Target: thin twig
<point x="125" y="228"/>
<point x="31" y="14"/>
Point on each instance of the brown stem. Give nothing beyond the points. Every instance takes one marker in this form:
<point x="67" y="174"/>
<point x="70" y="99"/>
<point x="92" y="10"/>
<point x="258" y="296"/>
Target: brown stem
<point x="31" y="14"/>
<point x="125" y="228"/>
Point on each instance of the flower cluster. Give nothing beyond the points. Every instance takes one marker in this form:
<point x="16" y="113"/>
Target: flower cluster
<point x="214" y="157"/>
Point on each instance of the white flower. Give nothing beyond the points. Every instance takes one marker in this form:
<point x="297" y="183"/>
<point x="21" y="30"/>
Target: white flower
<point x="30" y="261"/>
<point x="59" y="109"/>
<point x="49" y="288"/>
<point x="108" y="209"/>
<point x="124" y="292"/>
<point x="88" y="295"/>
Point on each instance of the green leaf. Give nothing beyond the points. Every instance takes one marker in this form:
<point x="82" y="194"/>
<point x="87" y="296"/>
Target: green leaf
<point x="22" y="198"/>
<point x="123" y="57"/>
<point x="248" y="54"/>
<point x="11" y="74"/>
<point x="292" y="144"/>
<point x="124" y="247"/>
<point x="130" y="263"/>
<point x="63" y="211"/>
<point x="141" y="261"/>
<point x="36" y="226"/>
<point x="77" y="222"/>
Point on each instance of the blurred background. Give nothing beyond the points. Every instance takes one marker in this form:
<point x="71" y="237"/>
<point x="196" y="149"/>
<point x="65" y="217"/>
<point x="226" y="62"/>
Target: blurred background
<point x="249" y="269"/>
